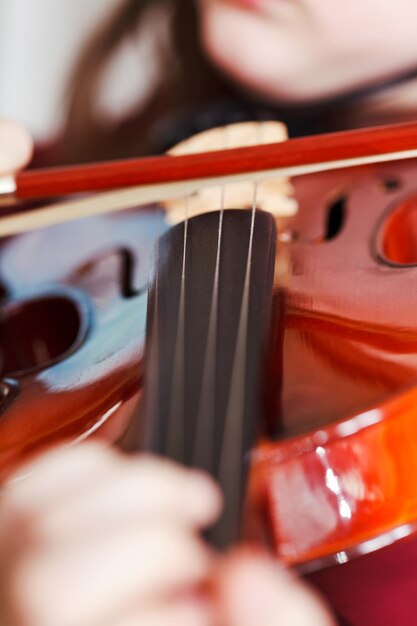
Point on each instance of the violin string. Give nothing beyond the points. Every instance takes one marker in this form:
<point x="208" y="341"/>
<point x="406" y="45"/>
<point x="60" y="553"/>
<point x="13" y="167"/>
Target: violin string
<point x="176" y="416"/>
<point x="230" y="475"/>
<point x="203" y="449"/>
<point x="153" y="364"/>
<point x="203" y="452"/>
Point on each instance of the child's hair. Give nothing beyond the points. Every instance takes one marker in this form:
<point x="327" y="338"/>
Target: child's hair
<point x="187" y="83"/>
<point x="186" y="80"/>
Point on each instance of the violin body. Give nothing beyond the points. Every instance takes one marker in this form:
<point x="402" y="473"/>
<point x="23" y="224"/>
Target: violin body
<point x="74" y="325"/>
<point x="345" y="364"/>
<point x="332" y="475"/>
<point x="349" y="321"/>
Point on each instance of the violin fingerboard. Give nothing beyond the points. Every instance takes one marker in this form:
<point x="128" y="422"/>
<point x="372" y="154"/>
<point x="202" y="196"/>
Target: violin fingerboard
<point x="208" y="320"/>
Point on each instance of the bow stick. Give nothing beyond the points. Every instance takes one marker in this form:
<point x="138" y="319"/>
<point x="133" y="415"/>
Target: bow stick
<point x="147" y="180"/>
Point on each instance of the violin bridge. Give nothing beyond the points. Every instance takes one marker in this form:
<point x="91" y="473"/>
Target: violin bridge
<point x="273" y="195"/>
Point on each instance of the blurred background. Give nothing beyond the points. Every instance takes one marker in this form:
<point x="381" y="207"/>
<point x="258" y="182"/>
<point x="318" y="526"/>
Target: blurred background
<point x="40" y="40"/>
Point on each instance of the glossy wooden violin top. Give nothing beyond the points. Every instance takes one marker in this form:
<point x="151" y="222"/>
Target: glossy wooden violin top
<point x="345" y="355"/>
<point x="73" y="329"/>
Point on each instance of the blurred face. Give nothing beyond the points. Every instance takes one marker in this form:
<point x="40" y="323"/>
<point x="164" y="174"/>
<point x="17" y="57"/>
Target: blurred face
<point x="304" y="50"/>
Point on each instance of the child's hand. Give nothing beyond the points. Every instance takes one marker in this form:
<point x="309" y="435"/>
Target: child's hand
<point x="254" y="590"/>
<point x="89" y="537"/>
<point x="16" y="147"/>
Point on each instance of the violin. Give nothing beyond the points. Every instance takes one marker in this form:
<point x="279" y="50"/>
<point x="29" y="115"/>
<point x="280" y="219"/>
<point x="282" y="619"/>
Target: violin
<point x="276" y="351"/>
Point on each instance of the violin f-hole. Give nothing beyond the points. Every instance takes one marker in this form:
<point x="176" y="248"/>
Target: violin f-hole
<point x="39" y="331"/>
<point x="336" y="217"/>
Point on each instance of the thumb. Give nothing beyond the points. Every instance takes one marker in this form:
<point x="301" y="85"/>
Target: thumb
<point x="253" y="590"/>
<point x="16" y="147"/>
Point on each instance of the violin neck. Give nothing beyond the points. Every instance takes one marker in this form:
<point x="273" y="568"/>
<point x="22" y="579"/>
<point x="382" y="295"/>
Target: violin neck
<point x="208" y="319"/>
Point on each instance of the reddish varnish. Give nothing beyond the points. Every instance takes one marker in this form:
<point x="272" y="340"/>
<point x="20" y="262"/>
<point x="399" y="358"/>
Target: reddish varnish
<point x="337" y="462"/>
<point x="343" y="369"/>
